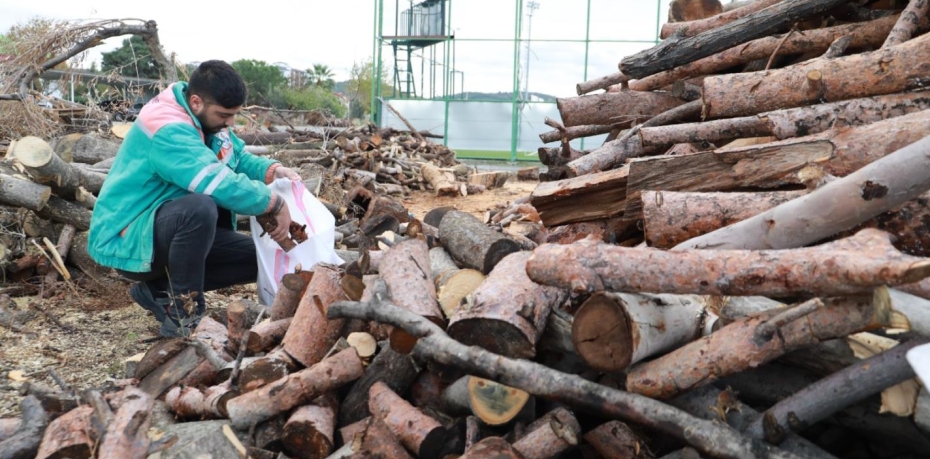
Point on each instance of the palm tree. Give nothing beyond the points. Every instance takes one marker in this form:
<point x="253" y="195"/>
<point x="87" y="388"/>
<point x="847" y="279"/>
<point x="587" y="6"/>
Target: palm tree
<point x="322" y="76"/>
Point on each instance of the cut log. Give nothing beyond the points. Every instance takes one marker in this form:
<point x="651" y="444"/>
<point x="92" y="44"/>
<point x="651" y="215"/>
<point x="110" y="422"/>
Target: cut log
<point x="190" y="403"/>
<point x="416" y="431"/>
<point x="559" y="156"/>
<point x="591" y="197"/>
<point x="612" y="331"/>
<point x="831" y="394"/>
<point x="309" y="431"/>
<point x="266" y="335"/>
<point x="443" y="184"/>
<point x="127" y="435"/>
<point x="839" y="79"/>
<point x="678" y="50"/>
<point x="294" y="390"/>
<point x="793" y="122"/>
<point x="23" y="193"/>
<point x="491" y="447"/>
<point x="288" y="296"/>
<point x="170" y="372"/>
<point x="492" y="402"/>
<point x="615" y="440"/>
<point x="89" y="148"/>
<point x="852" y="265"/>
<point x="240" y="315"/>
<point x="52" y="399"/>
<point x="311" y="335"/>
<point x="202" y="439"/>
<point x="410" y="283"/>
<point x="472" y="243"/>
<point x="879" y="186"/>
<point x="612" y="108"/>
<point x="701" y="18"/>
<point x="763" y="166"/>
<point x="25" y="440"/>
<point x="545" y="382"/>
<point x="48" y="169"/>
<point x="908" y="312"/>
<point x="507" y="313"/>
<point x="79" y="257"/>
<point x="739" y="346"/>
<point x="549" y="439"/>
<point x="528" y="173"/>
<point x="489" y="180"/>
<point x="365" y="345"/>
<point x="606" y="230"/>
<point x="862" y="35"/>
<point x="566" y="134"/>
<point x="67" y="436"/>
<point x="600" y="83"/>
<point x="259" y="372"/>
<point x="396" y="370"/>
<point x="670" y="217"/>
<point x="452" y="284"/>
<point x="378" y="438"/>
<point x="908" y="23"/>
<point x="64" y="211"/>
<point x="85" y="198"/>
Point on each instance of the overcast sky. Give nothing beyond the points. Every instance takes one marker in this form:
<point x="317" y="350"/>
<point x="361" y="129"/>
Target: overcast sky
<point x="340" y="32"/>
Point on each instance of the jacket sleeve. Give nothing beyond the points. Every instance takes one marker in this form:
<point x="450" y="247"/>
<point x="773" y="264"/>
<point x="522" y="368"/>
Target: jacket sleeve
<point x="179" y="157"/>
<point x="255" y="167"/>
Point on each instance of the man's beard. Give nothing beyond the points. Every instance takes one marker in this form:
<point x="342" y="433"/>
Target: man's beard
<point x="207" y="129"/>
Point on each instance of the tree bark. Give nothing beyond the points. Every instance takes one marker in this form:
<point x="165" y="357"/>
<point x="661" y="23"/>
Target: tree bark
<point x="48" y="169"/>
<point x="671" y="217"/>
<point x="790" y="123"/>
<point x="170" y="372"/>
<point x="678" y="50"/>
<point x="528" y="173"/>
<point x="591" y="197"/>
<point x="79" y="257"/>
<point x="612" y="331"/>
<point x="615" y="440"/>
<point x="695" y="27"/>
<point x="862" y="35"/>
<point x="127" y="435"/>
<point x="507" y="312"/>
<point x="286" y="299"/>
<point x="603" y="82"/>
<point x="452" y="284"/>
<point x="495" y="447"/>
<point x="882" y="185"/>
<point x="190" y="403"/>
<point x="308" y="433"/>
<point x="396" y="370"/>
<point x="833" y="393"/>
<point x="25" y="440"/>
<point x="240" y="315"/>
<point x="819" y="80"/>
<point x="908" y="22"/>
<point x="376" y="437"/>
<point x="409" y="278"/>
<point x="23" y="193"/>
<point x="472" y="243"/>
<point x="68" y="436"/>
<point x="259" y="372"/>
<point x="566" y="134"/>
<point x="416" y="431"/>
<point x="443" y="185"/>
<point x="311" y="335"/>
<point x="267" y="335"/>
<point x="492" y="402"/>
<point x="738" y="346"/>
<point x="558" y="156"/>
<point x="612" y="108"/>
<point x="294" y="390"/>
<point x="64" y="211"/>
<point x="539" y="380"/>
<point x="848" y="266"/>
<point x="549" y="439"/>
<point x="8" y="427"/>
<point x="91" y="149"/>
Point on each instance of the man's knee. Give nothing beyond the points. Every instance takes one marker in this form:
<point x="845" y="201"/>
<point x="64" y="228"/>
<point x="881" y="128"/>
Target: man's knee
<point x="201" y="208"/>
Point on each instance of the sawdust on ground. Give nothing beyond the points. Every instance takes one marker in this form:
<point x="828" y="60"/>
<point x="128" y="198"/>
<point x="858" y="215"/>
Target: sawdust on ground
<point x="105" y="327"/>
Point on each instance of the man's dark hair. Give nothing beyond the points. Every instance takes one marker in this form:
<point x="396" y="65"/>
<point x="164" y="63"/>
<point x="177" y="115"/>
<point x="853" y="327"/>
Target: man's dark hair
<point x="216" y="82"/>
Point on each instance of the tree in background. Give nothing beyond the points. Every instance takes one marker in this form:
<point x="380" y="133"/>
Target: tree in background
<point x="359" y="87"/>
<point x="262" y="80"/>
<point x="132" y="59"/>
<point x="6" y="44"/>
<point x="310" y="98"/>
<point x="321" y="76"/>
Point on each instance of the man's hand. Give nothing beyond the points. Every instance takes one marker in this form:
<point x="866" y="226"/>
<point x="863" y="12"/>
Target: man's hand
<point x="285" y="172"/>
<point x="283" y="218"/>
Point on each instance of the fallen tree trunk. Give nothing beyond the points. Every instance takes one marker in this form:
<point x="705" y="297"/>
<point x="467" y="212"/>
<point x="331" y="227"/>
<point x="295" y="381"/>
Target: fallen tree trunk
<point x="678" y="50"/>
<point x="819" y="80"/>
<point x="852" y="265"/>
<point x="539" y="380"/>
<point x="741" y="345"/>
<point x="507" y="312"/>
<point x="790" y="123"/>
<point x="590" y="197"/>
<point x="833" y="393"/>
<point x="418" y="432"/>
<point x="862" y="35"/>
<point x="294" y="390"/>
<point x="472" y="243"/>
<point x="612" y="331"/>
<point x="692" y="28"/>
<point x="879" y="186"/>
<point x="612" y="108"/>
<point x="311" y="335"/>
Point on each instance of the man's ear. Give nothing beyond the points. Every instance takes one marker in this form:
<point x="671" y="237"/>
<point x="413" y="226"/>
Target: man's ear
<point x="195" y="102"/>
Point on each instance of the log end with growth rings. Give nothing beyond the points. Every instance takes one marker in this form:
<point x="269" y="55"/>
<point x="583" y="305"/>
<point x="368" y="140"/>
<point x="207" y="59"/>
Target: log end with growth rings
<point x="602" y="334"/>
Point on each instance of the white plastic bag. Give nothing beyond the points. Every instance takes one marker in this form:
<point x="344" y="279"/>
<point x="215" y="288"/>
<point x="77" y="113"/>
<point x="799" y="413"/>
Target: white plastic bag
<point x="273" y="262"/>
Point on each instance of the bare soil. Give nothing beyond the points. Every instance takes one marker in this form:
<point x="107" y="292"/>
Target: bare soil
<point x="103" y="327"/>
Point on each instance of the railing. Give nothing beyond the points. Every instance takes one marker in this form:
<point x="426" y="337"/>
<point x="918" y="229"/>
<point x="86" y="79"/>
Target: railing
<point x="423" y="20"/>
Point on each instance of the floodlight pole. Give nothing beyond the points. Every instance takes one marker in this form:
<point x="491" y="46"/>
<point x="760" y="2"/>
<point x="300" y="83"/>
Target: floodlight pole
<point x="532" y="6"/>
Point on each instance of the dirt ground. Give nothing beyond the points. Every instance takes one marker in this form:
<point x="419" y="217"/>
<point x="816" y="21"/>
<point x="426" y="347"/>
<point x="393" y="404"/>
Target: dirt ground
<point x="100" y="329"/>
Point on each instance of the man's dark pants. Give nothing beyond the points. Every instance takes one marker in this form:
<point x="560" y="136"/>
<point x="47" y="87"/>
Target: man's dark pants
<point x="196" y="250"/>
